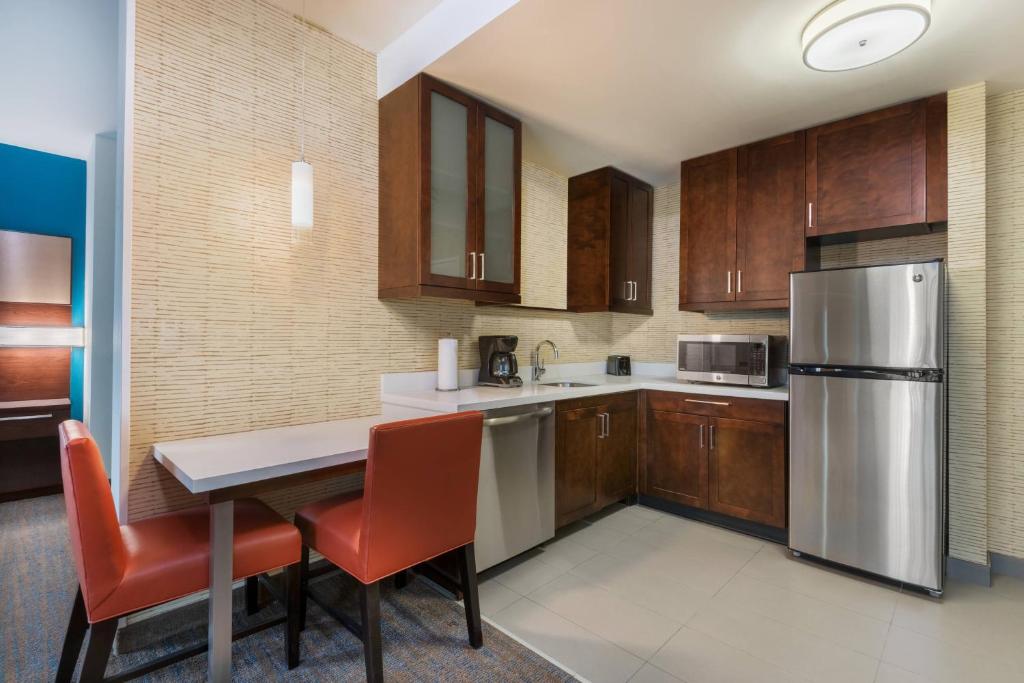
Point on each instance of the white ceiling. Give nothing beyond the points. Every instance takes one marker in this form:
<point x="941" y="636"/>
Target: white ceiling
<point x="370" y="24"/>
<point x="645" y="84"/>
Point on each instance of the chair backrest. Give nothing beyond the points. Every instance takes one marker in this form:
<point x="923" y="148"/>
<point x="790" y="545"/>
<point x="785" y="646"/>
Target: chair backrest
<point x="96" y="540"/>
<point x="419" y="496"/>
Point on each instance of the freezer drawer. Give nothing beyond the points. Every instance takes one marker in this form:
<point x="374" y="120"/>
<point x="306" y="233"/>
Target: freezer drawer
<point x="867" y="473"/>
<point x="877" y="317"/>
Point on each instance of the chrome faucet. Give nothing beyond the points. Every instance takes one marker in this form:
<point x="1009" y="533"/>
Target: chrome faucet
<point x="538" y="361"/>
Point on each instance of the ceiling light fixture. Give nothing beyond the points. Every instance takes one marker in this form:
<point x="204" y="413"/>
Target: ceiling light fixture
<point x="849" y="34"/>
<point x="302" y="171"/>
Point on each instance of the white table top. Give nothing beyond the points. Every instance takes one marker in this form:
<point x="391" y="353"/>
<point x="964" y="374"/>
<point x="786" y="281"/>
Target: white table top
<point x="38" y="403"/>
<point x="486" y="398"/>
<point x="210" y="463"/>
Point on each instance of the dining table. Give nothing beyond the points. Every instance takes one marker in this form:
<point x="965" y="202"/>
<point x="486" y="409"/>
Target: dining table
<point x="227" y="467"/>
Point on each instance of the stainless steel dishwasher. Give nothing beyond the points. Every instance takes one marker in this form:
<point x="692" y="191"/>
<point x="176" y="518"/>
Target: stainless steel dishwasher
<point x="516" y="497"/>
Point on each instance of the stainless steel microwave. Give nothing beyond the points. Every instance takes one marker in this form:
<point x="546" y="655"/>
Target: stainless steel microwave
<point x="756" y="360"/>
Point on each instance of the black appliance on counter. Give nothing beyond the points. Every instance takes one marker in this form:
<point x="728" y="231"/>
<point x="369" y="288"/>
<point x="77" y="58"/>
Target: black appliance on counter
<point x="498" y="365"/>
<point x="619" y="365"/>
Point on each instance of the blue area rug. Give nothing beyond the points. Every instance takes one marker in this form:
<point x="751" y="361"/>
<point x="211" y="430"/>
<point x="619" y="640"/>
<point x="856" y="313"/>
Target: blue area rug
<point x="424" y="633"/>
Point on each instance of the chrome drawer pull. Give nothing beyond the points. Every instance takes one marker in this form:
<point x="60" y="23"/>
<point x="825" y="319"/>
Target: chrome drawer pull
<point x="702" y="436"/>
<point x="711" y="441"/>
<point x="710" y="403"/>
<point x="15" y="418"/>
<point x="472" y="262"/>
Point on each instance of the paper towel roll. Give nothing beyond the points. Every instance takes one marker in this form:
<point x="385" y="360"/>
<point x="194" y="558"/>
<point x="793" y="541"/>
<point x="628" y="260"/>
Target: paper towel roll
<point x="447" y="364"/>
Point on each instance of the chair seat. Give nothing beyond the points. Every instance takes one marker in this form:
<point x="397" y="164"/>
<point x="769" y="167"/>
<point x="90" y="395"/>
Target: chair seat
<point x="168" y="556"/>
<point x="332" y="528"/>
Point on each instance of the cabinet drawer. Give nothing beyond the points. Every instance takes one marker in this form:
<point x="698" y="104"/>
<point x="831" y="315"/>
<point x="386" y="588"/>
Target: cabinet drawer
<point x="758" y="410"/>
<point x="613" y="401"/>
<point x="31" y="423"/>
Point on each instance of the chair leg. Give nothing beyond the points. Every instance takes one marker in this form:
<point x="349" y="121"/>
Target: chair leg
<point x="303" y="586"/>
<point x="467" y="571"/>
<point x="97" y="653"/>
<point x="294" y="591"/>
<point x="402" y="579"/>
<point x="369" y="603"/>
<point x="78" y="624"/>
<point x="252" y="595"/>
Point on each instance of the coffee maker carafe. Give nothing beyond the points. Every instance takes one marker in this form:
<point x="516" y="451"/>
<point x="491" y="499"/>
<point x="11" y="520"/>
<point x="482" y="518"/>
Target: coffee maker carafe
<point x="498" y="366"/>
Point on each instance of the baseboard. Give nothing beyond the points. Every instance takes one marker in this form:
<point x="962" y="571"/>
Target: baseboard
<point x="762" y="531"/>
<point x="970" y="572"/>
<point x="1007" y="565"/>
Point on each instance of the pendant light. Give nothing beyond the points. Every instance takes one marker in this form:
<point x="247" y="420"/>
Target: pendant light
<point x="850" y="34"/>
<point x="302" y="170"/>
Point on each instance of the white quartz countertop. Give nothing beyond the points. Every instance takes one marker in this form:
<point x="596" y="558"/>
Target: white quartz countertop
<point x="487" y="398"/>
<point x="215" y="462"/>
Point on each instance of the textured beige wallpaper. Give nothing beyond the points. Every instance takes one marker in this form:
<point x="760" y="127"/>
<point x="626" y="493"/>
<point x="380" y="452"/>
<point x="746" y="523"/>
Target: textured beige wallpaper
<point x="967" y="349"/>
<point x="1005" y="322"/>
<point x="236" y="324"/>
<point x="545" y="229"/>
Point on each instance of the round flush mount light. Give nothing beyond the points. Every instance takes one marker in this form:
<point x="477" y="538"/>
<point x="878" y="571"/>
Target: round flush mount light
<point x="849" y="34"/>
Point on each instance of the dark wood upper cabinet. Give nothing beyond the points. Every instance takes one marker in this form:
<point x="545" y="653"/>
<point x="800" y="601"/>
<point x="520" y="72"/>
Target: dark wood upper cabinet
<point x="878" y="170"/>
<point x="707" y="230"/>
<point x="450" y="187"/>
<point x="769" y="218"/>
<point x="609" y="249"/>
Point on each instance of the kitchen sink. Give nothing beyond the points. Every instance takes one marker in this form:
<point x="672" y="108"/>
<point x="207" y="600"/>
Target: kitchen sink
<point x="566" y="385"/>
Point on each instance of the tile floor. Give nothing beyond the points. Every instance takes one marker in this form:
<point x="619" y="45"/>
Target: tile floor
<point x="637" y="595"/>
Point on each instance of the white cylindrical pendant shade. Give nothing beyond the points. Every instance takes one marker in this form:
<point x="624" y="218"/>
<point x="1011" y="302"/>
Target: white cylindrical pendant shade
<point x="302" y="194"/>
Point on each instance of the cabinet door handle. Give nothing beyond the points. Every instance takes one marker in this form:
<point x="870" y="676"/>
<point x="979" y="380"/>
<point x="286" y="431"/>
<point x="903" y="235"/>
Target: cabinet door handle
<point x="739" y="281"/>
<point x="728" y="282"/>
<point x="710" y="403"/>
<point x="19" y="418"/>
<point x="472" y="262"/>
<point x="607" y="424"/>
<point x="702" y="436"/>
<point x="711" y="439"/>
<point x="625" y="290"/>
<point x="602" y="425"/>
<point x="810" y="214"/>
<point x="632" y="291"/>
<point x="482" y="266"/>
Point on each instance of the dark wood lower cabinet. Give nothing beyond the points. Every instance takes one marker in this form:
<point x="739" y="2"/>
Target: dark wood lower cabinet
<point x="595" y="457"/>
<point x="721" y="454"/>
<point x="747" y="470"/>
<point x="677" y="458"/>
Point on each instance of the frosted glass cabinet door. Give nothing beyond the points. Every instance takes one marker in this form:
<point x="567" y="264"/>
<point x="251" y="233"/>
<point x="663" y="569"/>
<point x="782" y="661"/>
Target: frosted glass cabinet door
<point x="500" y="202"/>
<point x="449" y="186"/>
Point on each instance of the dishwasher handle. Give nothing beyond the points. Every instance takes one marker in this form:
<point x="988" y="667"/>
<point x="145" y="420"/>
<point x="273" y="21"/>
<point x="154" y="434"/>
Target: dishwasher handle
<point x="512" y="419"/>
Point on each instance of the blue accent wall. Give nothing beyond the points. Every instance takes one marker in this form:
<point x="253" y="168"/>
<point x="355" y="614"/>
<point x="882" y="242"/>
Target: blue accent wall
<point x="44" y="194"/>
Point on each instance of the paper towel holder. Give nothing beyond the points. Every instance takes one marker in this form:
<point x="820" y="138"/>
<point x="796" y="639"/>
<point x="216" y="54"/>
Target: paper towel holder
<point x="454" y="361"/>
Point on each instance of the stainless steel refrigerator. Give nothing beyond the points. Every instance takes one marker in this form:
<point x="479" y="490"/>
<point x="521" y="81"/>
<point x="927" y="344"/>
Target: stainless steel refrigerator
<point x="867" y="419"/>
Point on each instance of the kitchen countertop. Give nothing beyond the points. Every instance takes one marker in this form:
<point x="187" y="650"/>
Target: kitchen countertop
<point x="488" y="398"/>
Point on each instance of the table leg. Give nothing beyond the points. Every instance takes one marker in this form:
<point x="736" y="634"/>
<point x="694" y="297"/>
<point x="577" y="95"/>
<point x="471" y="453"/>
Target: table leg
<point x="222" y="519"/>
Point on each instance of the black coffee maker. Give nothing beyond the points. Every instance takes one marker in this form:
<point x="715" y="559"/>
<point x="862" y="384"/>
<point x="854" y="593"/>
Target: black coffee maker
<point x="498" y="366"/>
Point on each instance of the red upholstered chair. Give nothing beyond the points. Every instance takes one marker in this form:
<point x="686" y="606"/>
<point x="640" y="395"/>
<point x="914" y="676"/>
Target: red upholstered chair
<point x="123" y="569"/>
<point x="418" y="502"/>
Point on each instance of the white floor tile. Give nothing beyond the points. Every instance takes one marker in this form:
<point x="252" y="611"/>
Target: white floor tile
<point x="597" y="538"/>
<point x="679" y="528"/>
<point x="565" y="553"/>
<point x="495" y="597"/>
<point x="887" y="673"/>
<point x="703" y="563"/>
<point x="570" y="644"/>
<point x="973" y="616"/>
<point x="661" y="593"/>
<point x="652" y="674"/>
<point x="528" y="575"/>
<point x="774" y="565"/>
<point x="698" y="658"/>
<point x="632" y="628"/>
<point x="945" y="662"/>
<point x="836" y="624"/>
<point x="788" y="648"/>
<point x="621" y="520"/>
<point x="646" y="512"/>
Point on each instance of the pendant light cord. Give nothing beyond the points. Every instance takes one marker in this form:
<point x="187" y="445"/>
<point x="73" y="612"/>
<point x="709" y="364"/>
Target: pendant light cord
<point x="302" y="95"/>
